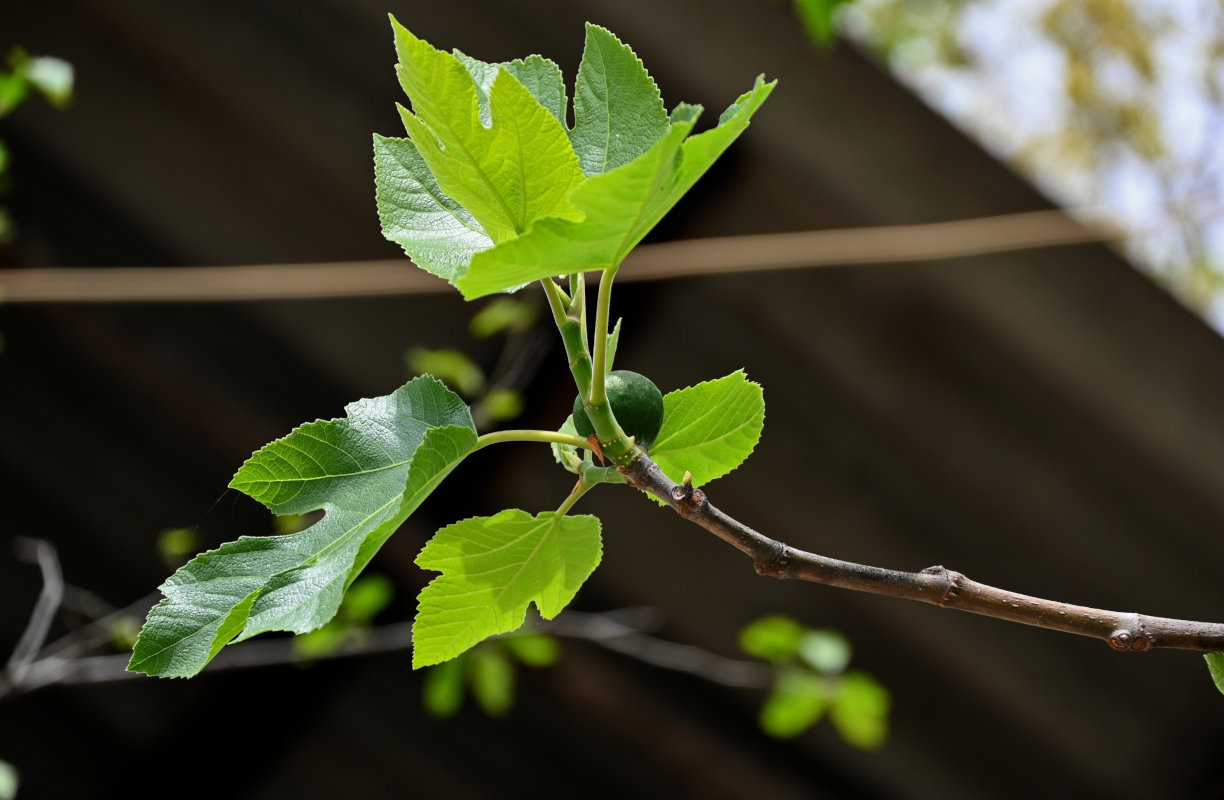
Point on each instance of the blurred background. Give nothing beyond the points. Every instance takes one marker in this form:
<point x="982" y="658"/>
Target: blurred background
<point x="1031" y="397"/>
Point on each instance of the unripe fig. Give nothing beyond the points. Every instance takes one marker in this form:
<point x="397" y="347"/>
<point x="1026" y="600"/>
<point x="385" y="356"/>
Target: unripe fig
<point x="636" y="402"/>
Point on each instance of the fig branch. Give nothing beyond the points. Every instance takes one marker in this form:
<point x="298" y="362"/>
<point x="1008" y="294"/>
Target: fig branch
<point x="1123" y="631"/>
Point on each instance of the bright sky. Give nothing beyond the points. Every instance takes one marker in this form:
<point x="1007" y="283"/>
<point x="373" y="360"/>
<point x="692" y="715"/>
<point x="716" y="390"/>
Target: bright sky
<point x="1015" y="95"/>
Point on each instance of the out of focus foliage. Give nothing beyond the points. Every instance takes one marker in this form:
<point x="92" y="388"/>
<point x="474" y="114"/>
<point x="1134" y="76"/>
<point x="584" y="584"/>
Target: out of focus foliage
<point x="811" y="682"/>
<point x="1114" y="107"/>
<point x="487" y="672"/>
<point x="24" y="77"/>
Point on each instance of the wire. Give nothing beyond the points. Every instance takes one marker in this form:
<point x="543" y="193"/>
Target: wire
<point x="711" y="256"/>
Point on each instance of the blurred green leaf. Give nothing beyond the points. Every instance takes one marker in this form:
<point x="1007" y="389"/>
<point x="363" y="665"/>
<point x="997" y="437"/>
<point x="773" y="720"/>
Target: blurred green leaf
<point x="500" y="405"/>
<point x="491" y="676"/>
<point x="9" y="781"/>
<point x="443" y="688"/>
<point x="123" y="633"/>
<point x="4" y="157"/>
<point x="453" y="367"/>
<point x="291" y="523"/>
<point x="825" y="650"/>
<point x="8" y="230"/>
<point x="325" y="640"/>
<point x="533" y="649"/>
<point x="176" y="545"/>
<point x="775" y="638"/>
<point x="860" y="711"/>
<point x="503" y="314"/>
<point x="368" y="595"/>
<point x="13" y="91"/>
<point x="796" y="703"/>
<point x="817" y="17"/>
<point x="52" y="77"/>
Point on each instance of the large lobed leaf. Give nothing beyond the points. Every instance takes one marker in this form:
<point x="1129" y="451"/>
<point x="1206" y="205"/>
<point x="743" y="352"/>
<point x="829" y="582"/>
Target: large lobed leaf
<point x="492" y="568"/>
<point x="618" y="111"/>
<point x="619" y="207"/>
<point x="709" y="429"/>
<point x="367" y="472"/>
<point x="434" y="230"/>
<point x="518" y="168"/>
<point x="504" y="169"/>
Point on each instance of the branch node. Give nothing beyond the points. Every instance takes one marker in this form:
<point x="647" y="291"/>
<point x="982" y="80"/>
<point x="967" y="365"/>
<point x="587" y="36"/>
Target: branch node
<point x="1136" y="639"/>
<point x="776" y="566"/>
<point x="689" y="500"/>
<point x="953" y="581"/>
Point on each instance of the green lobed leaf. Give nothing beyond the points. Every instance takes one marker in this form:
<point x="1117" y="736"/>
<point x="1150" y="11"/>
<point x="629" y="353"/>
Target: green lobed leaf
<point x="618" y="111"/>
<point x="709" y="429"/>
<point x="618" y="208"/>
<point x="492" y="568"/>
<point x="435" y="231"/>
<point x="507" y="175"/>
<point x="367" y="472"/>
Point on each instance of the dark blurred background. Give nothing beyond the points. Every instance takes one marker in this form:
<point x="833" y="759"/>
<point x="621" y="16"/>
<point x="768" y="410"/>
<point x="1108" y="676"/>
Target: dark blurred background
<point x="1044" y="420"/>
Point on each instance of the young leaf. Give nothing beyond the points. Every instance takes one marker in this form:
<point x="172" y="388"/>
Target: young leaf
<point x="825" y="651"/>
<point x="491" y="676"/>
<point x="618" y="112"/>
<point x="435" y="231"/>
<point x="564" y="453"/>
<point x="709" y="429"/>
<point x="368" y="472"/>
<point x="618" y="208"/>
<point x="796" y="703"/>
<point x="860" y="711"/>
<point x="442" y="689"/>
<point x="507" y="175"/>
<point x="610" y="350"/>
<point x="774" y="638"/>
<point x="533" y="649"/>
<point x="492" y="568"/>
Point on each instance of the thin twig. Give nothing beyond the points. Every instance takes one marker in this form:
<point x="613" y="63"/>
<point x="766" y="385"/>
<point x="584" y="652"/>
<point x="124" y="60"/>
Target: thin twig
<point x="1123" y="631"/>
<point x="35" y="635"/>
<point x="619" y="631"/>
<point x="610" y="633"/>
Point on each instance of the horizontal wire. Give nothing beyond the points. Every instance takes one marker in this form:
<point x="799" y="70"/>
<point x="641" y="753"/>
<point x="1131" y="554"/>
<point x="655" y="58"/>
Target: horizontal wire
<point x="710" y="256"/>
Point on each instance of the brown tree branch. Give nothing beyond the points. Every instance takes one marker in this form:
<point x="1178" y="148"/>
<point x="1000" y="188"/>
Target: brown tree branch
<point x="1123" y="631"/>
